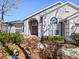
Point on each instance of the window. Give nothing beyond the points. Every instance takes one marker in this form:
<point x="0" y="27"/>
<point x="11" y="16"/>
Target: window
<point x="41" y="19"/>
<point x="77" y="24"/>
<point x="57" y="32"/>
<point x="19" y="28"/>
<point x="53" y="20"/>
<point x="76" y="29"/>
<point x="54" y="26"/>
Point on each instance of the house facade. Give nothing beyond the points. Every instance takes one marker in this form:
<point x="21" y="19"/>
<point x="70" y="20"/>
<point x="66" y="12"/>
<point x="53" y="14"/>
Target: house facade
<point x="59" y="19"/>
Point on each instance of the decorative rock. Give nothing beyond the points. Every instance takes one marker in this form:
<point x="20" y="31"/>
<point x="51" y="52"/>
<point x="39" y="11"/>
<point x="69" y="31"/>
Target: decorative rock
<point x="68" y="53"/>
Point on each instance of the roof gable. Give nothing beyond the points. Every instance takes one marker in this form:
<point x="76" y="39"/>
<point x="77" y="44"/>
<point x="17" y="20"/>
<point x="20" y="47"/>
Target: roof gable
<point x="44" y="9"/>
<point x="51" y="6"/>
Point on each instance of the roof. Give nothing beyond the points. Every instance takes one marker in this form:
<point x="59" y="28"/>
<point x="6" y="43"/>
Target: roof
<point x="17" y="21"/>
<point x="53" y="5"/>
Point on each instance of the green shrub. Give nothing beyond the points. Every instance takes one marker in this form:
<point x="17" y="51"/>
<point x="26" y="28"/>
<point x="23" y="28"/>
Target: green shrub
<point x="52" y="38"/>
<point x="14" y="37"/>
<point x="44" y="38"/>
<point x="75" y="37"/>
<point x="6" y="38"/>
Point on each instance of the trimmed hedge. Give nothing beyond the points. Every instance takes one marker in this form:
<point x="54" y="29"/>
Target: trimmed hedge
<point x="52" y="38"/>
<point x="75" y="37"/>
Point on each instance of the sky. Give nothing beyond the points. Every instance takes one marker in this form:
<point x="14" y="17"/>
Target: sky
<point x="28" y="7"/>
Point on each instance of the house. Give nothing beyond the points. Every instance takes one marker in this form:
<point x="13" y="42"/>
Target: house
<point x="13" y="26"/>
<point x="59" y="19"/>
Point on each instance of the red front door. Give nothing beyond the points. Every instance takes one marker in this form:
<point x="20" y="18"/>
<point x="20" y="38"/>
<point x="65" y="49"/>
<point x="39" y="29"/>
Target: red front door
<point x="34" y="30"/>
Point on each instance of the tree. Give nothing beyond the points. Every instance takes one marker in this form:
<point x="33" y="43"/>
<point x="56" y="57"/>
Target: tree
<point x="5" y="6"/>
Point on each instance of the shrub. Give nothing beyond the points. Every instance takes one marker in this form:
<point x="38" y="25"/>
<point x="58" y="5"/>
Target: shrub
<point x="75" y="37"/>
<point x="44" y="38"/>
<point x="16" y="37"/>
<point x="7" y="38"/>
<point x="52" y="38"/>
<point x="13" y="37"/>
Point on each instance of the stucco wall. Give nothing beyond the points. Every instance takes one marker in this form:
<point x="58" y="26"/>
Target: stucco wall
<point x="61" y="12"/>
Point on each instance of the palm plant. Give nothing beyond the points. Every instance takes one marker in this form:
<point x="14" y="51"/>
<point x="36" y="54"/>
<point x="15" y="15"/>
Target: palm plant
<point x="3" y="41"/>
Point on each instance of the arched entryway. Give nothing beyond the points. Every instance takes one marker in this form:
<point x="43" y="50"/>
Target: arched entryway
<point x="33" y="26"/>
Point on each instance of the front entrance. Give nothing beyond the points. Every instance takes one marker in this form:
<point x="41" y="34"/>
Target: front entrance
<point x="33" y="27"/>
<point x="62" y="26"/>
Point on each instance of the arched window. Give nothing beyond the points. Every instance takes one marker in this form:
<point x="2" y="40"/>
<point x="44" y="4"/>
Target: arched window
<point x="54" y="26"/>
<point x="53" y="20"/>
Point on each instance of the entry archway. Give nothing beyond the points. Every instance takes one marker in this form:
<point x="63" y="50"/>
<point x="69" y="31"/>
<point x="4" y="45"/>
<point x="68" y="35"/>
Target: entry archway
<point x="33" y="26"/>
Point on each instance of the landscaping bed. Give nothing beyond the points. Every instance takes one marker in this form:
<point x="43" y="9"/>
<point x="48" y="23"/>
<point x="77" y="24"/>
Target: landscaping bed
<point x="48" y="47"/>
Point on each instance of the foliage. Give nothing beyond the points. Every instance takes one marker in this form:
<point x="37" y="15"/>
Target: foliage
<point x="6" y="38"/>
<point x="16" y="37"/>
<point x="13" y="37"/>
<point x="75" y="37"/>
<point x="3" y="37"/>
<point x="5" y="6"/>
<point x="9" y="23"/>
<point x="52" y="38"/>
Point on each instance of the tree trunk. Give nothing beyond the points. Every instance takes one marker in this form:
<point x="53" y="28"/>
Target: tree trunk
<point x="2" y="17"/>
<point x="24" y="52"/>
